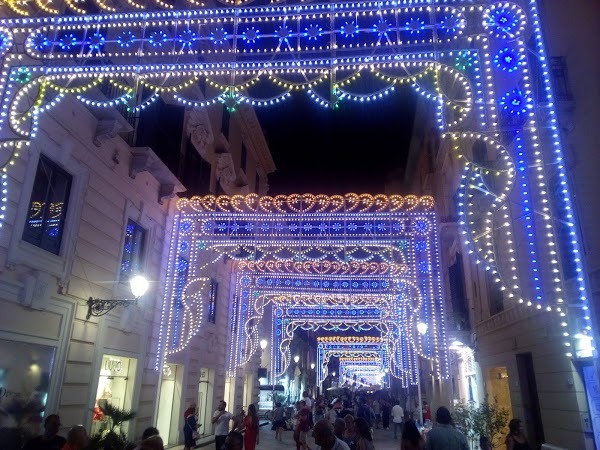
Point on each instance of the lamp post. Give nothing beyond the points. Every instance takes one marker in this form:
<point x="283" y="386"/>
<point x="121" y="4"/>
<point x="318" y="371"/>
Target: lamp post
<point x="421" y="330"/>
<point x="98" y="307"/>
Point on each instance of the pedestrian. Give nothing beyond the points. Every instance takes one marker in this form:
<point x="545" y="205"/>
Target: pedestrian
<point x="309" y="404"/>
<point x="484" y="443"/>
<point x="77" y="438"/>
<point x="234" y="441"/>
<point x="444" y="436"/>
<point x="189" y="429"/>
<point x="302" y="426"/>
<point x="251" y="427"/>
<point x="397" y="418"/>
<point x="385" y="414"/>
<point x="350" y="434"/>
<point x="50" y="440"/>
<point x="339" y="428"/>
<point x="377" y="410"/>
<point x="411" y="438"/>
<point x="365" y="439"/>
<point x="334" y="411"/>
<point x="325" y="438"/>
<point x="279" y="421"/>
<point x="319" y="408"/>
<point x="150" y="431"/>
<point x="516" y="440"/>
<point x="153" y="442"/>
<point x="221" y="419"/>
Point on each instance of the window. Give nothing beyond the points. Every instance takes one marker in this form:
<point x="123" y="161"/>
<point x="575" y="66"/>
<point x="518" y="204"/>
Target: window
<point x="495" y="296"/>
<point x="225" y="122"/>
<point x="133" y="250"/>
<point x="460" y="311"/>
<point x="45" y="221"/>
<point x="560" y="79"/>
<point x="212" y="302"/>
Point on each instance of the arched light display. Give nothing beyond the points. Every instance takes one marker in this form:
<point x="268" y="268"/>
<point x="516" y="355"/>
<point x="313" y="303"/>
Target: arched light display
<point x="482" y="64"/>
<point x="363" y="360"/>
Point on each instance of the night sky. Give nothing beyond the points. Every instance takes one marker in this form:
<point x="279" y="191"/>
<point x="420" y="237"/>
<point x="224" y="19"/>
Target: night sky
<point x="351" y="149"/>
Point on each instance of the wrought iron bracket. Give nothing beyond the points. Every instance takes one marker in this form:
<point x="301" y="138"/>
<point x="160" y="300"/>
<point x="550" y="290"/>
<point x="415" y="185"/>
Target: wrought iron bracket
<point x="98" y="307"/>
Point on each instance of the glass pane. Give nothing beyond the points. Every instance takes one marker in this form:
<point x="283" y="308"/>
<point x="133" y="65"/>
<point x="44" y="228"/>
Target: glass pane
<point x="25" y="371"/>
<point x="47" y="206"/>
<point x="133" y="250"/>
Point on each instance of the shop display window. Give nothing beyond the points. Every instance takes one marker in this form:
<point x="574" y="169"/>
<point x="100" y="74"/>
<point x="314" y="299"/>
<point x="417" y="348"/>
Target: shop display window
<point x="25" y="371"/>
<point x="115" y="388"/>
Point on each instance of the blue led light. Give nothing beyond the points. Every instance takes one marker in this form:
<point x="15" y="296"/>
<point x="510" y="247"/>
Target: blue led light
<point x="349" y="29"/>
<point x="464" y="60"/>
<point x="415" y="26"/>
<point x="503" y="21"/>
<point x="5" y="43"/>
<point x="158" y="38"/>
<point x="218" y="36"/>
<point x="382" y="27"/>
<point x="187" y="38"/>
<point x="514" y="102"/>
<point x="184" y="246"/>
<point x="251" y="35"/>
<point x="40" y="42"/>
<point x="507" y="59"/>
<point x="125" y="39"/>
<point x="67" y="42"/>
<point x="313" y="32"/>
<point x="96" y="41"/>
<point x="451" y="23"/>
<point x="283" y="33"/>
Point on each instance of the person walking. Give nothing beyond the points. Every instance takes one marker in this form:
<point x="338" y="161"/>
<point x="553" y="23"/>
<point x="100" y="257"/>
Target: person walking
<point x="377" y="410"/>
<point x="516" y="440"/>
<point x="77" y="438"/>
<point x="365" y="439"/>
<point x="397" y="418"/>
<point x="411" y="438"/>
<point x="189" y="429"/>
<point x="350" y="436"/>
<point x="251" y="427"/>
<point x="221" y="419"/>
<point x="50" y="440"/>
<point x="324" y="436"/>
<point x="279" y="421"/>
<point x="385" y="413"/>
<point x="444" y="436"/>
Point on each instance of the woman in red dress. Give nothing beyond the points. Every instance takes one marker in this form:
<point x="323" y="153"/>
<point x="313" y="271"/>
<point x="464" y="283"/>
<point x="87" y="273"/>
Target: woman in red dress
<point x="251" y="426"/>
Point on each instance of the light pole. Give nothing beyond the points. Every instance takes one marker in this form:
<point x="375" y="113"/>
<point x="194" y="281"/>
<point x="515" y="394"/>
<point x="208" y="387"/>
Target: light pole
<point x="421" y="329"/>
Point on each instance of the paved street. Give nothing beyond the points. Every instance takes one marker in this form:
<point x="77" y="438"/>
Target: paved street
<point x="383" y="439"/>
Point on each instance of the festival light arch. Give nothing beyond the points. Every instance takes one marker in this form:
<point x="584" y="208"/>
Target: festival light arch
<point x="482" y="63"/>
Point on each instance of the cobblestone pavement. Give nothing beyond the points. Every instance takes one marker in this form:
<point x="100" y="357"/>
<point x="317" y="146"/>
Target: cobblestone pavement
<point x="383" y="440"/>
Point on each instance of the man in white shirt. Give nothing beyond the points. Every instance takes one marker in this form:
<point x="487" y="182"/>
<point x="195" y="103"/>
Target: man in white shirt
<point x="397" y="418"/>
<point x="221" y="420"/>
<point x="325" y="437"/>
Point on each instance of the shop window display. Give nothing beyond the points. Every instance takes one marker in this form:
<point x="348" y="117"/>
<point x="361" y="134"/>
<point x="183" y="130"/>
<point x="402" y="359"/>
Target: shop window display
<point x="115" y="388"/>
<point x="25" y="372"/>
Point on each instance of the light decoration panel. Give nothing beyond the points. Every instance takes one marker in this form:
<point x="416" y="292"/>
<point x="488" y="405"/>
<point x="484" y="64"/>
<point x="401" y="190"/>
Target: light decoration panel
<point x="331" y="262"/>
<point x="365" y="357"/>
<point x="471" y="59"/>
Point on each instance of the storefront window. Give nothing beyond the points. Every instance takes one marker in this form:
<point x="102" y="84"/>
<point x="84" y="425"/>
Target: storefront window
<point x="115" y="388"/>
<point x="25" y="371"/>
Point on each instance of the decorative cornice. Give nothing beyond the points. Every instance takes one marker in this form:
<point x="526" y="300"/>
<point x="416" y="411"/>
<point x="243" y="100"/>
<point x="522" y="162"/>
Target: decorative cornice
<point x="308" y="203"/>
<point x="322" y="267"/>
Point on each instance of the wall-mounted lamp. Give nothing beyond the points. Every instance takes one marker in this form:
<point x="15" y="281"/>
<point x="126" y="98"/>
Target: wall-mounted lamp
<point x="422" y="328"/>
<point x="312" y="366"/>
<point x="263" y="344"/>
<point x="98" y="307"/>
<point x="296" y="359"/>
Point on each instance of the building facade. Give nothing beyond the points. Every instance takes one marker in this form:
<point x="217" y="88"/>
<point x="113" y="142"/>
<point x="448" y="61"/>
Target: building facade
<point x="92" y="203"/>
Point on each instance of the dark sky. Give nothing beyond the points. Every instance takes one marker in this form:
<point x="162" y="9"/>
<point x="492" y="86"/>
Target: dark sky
<point x="351" y="149"/>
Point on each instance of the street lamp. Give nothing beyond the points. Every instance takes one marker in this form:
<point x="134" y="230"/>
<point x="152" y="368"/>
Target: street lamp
<point x="296" y="359"/>
<point x="263" y="344"/>
<point x="312" y="366"/>
<point x="98" y="307"/>
<point x="421" y="329"/>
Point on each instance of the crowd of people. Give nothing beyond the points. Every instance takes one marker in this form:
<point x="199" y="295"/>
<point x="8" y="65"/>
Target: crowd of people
<point x="335" y="425"/>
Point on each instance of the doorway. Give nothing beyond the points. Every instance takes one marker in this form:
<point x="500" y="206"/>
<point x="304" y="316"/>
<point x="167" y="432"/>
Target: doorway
<point x="498" y="387"/>
<point x="532" y="416"/>
<point x="205" y="400"/>
<point x="169" y="404"/>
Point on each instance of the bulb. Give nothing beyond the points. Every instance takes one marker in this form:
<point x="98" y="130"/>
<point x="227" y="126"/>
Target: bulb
<point x="139" y="285"/>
